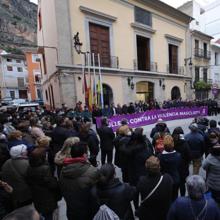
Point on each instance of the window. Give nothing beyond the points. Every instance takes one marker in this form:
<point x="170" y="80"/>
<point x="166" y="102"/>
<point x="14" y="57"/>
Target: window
<point x="37" y="78"/>
<point x="9" y="68"/>
<point x="196" y="48"/>
<point x="20" y="69"/>
<point x="197" y="77"/>
<point x="216" y="58"/>
<point x="18" y="61"/>
<point x="205" y="50"/>
<point x="44" y="63"/>
<point x="173" y="59"/>
<point x="100" y="43"/>
<point x="205" y="75"/>
<point x="46" y="93"/>
<point x="39" y="21"/>
<point x="9" y="60"/>
<point x="39" y="94"/>
<point x="21" y="83"/>
<point x="12" y="94"/>
<point x="142" y="16"/>
<point x="35" y="58"/>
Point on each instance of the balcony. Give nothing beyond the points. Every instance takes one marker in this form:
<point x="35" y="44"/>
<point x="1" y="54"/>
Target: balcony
<point x="151" y="67"/>
<point x="108" y="61"/>
<point x="175" y="70"/>
<point x="200" y="53"/>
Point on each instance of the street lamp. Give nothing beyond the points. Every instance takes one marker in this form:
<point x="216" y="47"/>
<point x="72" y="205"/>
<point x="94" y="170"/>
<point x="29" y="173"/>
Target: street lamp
<point x="77" y="43"/>
<point x="190" y="61"/>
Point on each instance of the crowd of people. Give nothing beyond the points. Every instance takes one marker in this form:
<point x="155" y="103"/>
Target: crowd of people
<point x="45" y="157"/>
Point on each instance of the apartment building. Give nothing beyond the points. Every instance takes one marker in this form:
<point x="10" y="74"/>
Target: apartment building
<point x="13" y="76"/>
<point x="200" y="45"/>
<point x="142" y="46"/>
<point x="34" y="74"/>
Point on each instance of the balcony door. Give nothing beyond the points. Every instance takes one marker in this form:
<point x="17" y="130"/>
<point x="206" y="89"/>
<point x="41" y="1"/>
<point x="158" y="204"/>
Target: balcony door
<point x="100" y="43"/>
<point x="173" y="58"/>
<point x="143" y="53"/>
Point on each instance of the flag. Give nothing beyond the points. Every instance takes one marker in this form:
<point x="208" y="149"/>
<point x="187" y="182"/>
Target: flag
<point x="94" y="92"/>
<point x="100" y="89"/>
<point x="90" y="84"/>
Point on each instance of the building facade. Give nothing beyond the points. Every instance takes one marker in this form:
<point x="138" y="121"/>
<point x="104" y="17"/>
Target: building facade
<point x="200" y="49"/>
<point x="34" y="75"/>
<point x="13" y="76"/>
<point x="141" y="43"/>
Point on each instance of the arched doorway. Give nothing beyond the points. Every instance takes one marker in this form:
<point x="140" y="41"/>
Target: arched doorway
<point x="144" y="91"/>
<point x="107" y="94"/>
<point x="175" y="93"/>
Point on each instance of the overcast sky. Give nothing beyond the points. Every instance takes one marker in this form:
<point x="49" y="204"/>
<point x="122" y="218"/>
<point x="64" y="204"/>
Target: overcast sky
<point x="174" y="3"/>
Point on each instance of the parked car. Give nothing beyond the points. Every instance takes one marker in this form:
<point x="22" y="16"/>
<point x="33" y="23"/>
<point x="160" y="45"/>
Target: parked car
<point x="6" y="101"/>
<point x="33" y="106"/>
<point x="16" y="102"/>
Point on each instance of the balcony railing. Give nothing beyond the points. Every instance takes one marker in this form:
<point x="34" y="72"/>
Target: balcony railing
<point x="152" y="67"/>
<point x="200" y="53"/>
<point x="108" y="61"/>
<point x="175" y="70"/>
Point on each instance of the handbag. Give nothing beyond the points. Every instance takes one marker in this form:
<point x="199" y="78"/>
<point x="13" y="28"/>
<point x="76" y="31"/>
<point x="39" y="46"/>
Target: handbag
<point x="138" y="211"/>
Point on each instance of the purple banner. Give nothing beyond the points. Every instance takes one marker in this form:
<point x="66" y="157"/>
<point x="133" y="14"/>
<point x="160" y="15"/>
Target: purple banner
<point x="151" y="117"/>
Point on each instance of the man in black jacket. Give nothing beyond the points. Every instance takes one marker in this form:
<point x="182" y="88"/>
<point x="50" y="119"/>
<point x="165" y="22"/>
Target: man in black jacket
<point x="107" y="136"/>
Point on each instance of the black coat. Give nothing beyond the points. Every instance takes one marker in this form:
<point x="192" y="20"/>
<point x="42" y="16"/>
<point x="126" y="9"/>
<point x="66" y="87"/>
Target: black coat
<point x="76" y="181"/>
<point x="106" y="135"/>
<point x="157" y="206"/>
<point x="4" y="154"/>
<point x="170" y="164"/>
<point x="44" y="188"/>
<point x="116" y="196"/>
<point x="5" y="203"/>
<point x="182" y="147"/>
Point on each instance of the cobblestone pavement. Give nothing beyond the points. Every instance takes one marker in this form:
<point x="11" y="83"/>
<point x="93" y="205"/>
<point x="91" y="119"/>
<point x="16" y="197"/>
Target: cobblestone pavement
<point x="61" y="214"/>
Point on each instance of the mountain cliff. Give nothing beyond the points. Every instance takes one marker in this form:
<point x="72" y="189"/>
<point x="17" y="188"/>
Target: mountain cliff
<point x="18" y="24"/>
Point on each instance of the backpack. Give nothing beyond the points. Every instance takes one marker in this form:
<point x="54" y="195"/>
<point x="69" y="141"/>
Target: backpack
<point x="159" y="144"/>
<point x="105" y="213"/>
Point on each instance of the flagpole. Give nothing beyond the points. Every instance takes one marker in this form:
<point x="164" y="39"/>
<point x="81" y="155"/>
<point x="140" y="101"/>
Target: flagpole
<point x="94" y="80"/>
<point x="100" y="78"/>
<point x="83" y="59"/>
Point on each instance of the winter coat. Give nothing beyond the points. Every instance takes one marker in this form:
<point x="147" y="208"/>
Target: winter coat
<point x="44" y="188"/>
<point x="14" y="172"/>
<point x="92" y="141"/>
<point x="76" y="181"/>
<point x="59" y="135"/>
<point x="157" y="206"/>
<point x="212" y="166"/>
<point x="4" y="154"/>
<point x="107" y="136"/>
<point x="182" y="147"/>
<point x="5" y="203"/>
<point x="183" y="209"/>
<point x="116" y="195"/>
<point x="196" y="144"/>
<point x="170" y="164"/>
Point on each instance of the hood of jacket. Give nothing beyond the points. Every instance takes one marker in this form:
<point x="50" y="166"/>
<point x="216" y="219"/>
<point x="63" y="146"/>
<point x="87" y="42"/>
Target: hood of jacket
<point x="214" y="160"/>
<point x="75" y="170"/>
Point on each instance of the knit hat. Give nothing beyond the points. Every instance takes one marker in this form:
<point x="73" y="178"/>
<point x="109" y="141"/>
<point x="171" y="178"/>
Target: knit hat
<point x="193" y="127"/>
<point x="153" y="164"/>
<point x="18" y="151"/>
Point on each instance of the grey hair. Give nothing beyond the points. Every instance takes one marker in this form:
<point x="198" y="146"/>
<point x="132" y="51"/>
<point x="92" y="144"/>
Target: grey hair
<point x="69" y="142"/>
<point x="196" y="186"/>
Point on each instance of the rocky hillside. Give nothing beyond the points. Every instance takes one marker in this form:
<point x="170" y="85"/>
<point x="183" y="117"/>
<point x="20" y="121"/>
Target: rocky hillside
<point x="18" y="24"/>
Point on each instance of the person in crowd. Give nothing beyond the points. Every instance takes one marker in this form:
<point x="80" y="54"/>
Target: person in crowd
<point x="70" y="130"/>
<point x="44" y="187"/>
<point x="5" y="200"/>
<point x="77" y="178"/>
<point x="15" y="138"/>
<point x="197" y="145"/>
<point x="58" y="135"/>
<point x="121" y="160"/>
<point x="124" y="109"/>
<point x="106" y="112"/>
<point x="170" y="162"/>
<point x="194" y="206"/>
<point x="119" y="109"/>
<point x="14" y="172"/>
<point x="4" y="153"/>
<point x="182" y="147"/>
<point x="131" y="108"/>
<point x="107" y="136"/>
<point x="24" y="127"/>
<point x="89" y="136"/>
<point x="157" y="134"/>
<point x="65" y="151"/>
<point x="113" y="109"/>
<point x="86" y="114"/>
<point x="212" y="166"/>
<point x="155" y="190"/>
<point x="23" y="213"/>
<point x="96" y="113"/>
<point x="113" y="193"/>
<point x="36" y="130"/>
<point x="213" y="127"/>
